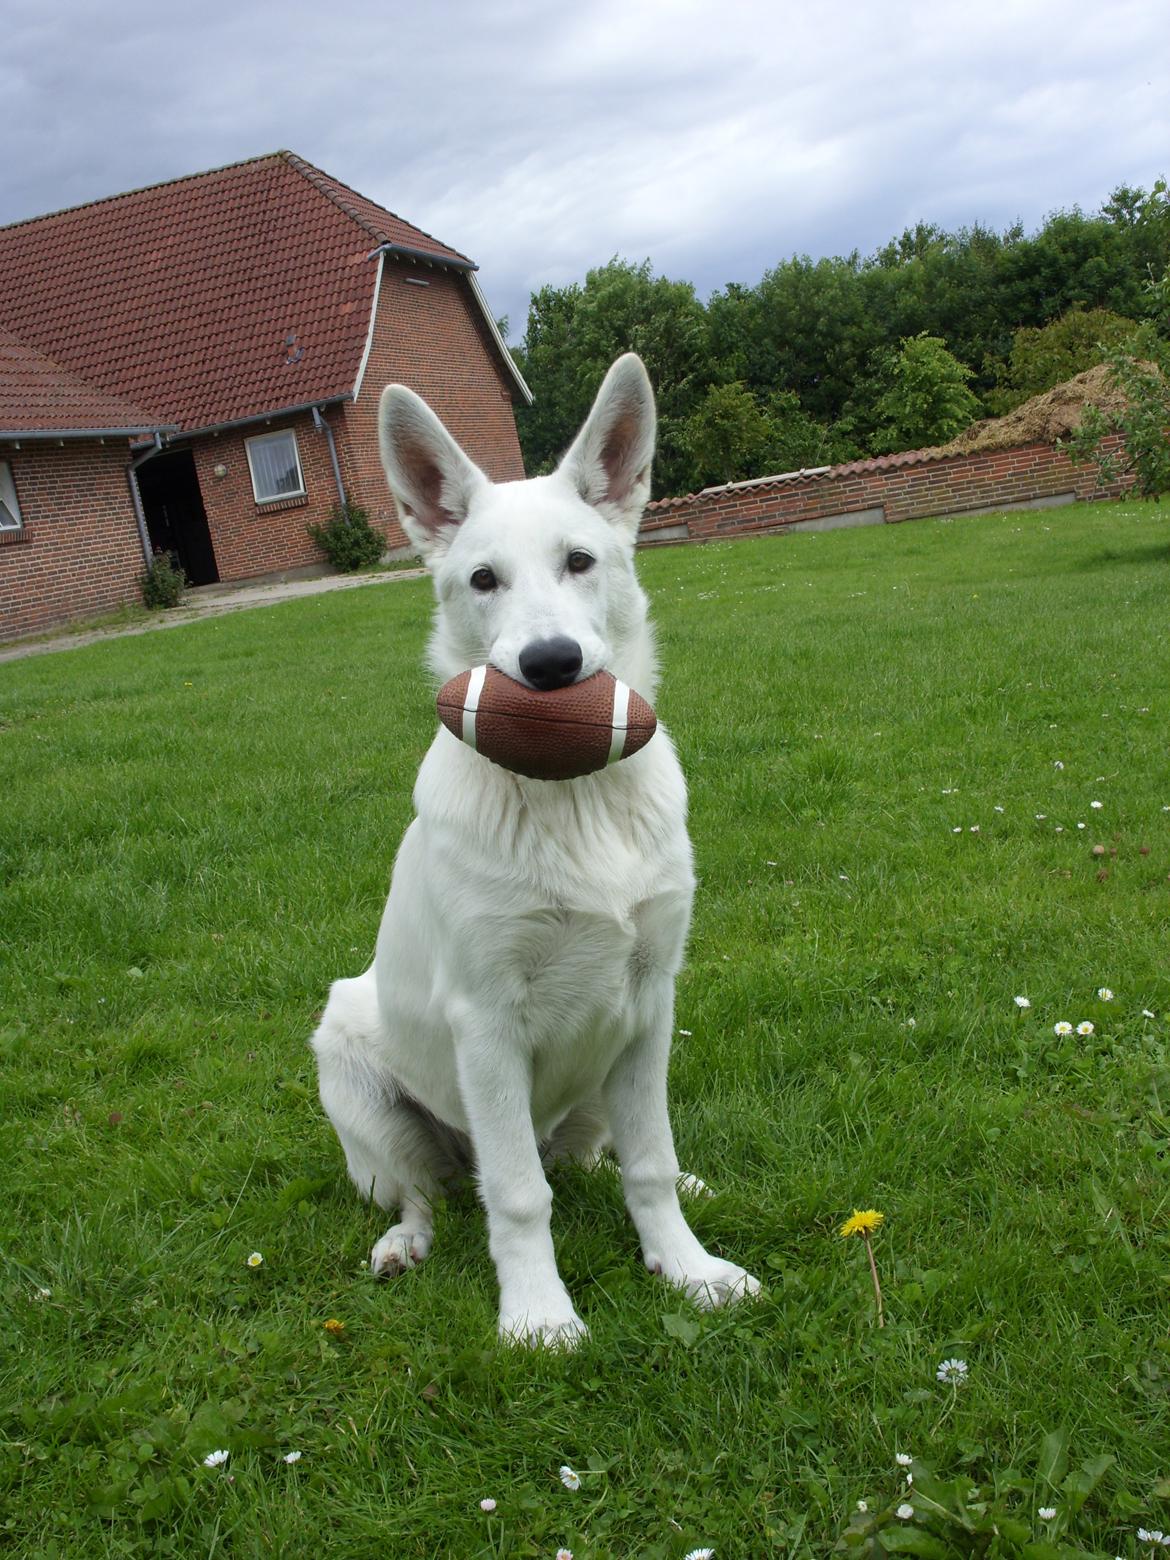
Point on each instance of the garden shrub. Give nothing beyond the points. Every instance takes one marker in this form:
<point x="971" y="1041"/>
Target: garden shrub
<point x="348" y="539"/>
<point x="164" y="582"/>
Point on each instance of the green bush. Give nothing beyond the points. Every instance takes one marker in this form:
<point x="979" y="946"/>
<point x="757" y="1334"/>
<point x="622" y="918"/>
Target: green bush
<point x="348" y="539"/>
<point x="1141" y="371"/>
<point x="164" y="582"/>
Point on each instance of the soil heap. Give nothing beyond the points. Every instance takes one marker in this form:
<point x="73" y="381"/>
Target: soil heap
<point x="1044" y="419"/>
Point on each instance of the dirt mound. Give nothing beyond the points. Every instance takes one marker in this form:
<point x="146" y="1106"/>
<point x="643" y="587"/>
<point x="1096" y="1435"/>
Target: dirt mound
<point x="1045" y="418"/>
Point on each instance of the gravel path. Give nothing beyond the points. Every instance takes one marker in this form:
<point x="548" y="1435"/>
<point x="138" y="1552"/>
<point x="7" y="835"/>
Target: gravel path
<point x="208" y="601"/>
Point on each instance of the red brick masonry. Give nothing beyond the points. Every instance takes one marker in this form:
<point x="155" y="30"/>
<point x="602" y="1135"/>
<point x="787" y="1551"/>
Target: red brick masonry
<point x="79" y="552"/>
<point x="892" y="487"/>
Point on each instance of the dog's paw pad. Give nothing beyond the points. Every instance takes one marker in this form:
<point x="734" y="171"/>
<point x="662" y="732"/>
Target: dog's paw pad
<point x="399" y="1249"/>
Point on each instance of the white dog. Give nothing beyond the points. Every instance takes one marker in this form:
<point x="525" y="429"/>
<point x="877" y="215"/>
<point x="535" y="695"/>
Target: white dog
<point x="520" y="1004"/>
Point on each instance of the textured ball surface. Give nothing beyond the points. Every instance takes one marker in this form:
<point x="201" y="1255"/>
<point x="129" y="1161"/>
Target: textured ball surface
<point x="555" y="735"/>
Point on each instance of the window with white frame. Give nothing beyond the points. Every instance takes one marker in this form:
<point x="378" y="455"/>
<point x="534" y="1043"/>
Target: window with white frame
<point x="275" y="465"/>
<point x="9" y="509"/>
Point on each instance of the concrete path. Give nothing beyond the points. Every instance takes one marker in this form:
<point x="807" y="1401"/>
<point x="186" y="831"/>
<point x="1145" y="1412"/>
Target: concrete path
<point x="205" y="602"/>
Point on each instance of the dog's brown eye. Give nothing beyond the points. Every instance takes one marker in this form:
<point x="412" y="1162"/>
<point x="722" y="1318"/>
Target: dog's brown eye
<point x="484" y="580"/>
<point x="580" y="562"/>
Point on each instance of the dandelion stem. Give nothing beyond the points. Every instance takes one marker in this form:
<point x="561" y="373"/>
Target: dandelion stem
<point x="877" y="1288"/>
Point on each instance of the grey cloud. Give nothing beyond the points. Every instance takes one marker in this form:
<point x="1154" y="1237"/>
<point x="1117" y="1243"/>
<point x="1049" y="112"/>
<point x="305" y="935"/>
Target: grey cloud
<point x="714" y="139"/>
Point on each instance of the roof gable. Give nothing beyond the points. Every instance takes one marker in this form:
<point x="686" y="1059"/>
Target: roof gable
<point x="210" y="299"/>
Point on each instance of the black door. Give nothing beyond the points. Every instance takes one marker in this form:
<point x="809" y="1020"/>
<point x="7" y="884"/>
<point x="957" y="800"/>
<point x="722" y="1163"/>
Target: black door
<point x="175" y="518"/>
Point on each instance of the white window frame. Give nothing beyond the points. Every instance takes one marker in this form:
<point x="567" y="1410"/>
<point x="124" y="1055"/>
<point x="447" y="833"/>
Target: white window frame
<point x="9" y="500"/>
<point x="271" y="438"/>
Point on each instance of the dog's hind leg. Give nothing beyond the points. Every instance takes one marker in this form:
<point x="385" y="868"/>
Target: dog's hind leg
<point x="392" y="1152"/>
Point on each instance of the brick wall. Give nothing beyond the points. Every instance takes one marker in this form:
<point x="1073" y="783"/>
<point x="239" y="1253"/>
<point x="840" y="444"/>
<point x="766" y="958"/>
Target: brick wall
<point x="890" y="488"/>
<point x="435" y="340"/>
<point x="79" y="553"/>
<point x="251" y="538"/>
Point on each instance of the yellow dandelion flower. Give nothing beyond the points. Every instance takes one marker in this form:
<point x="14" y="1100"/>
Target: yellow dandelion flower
<point x="335" y="1327"/>
<point x="863" y="1223"/>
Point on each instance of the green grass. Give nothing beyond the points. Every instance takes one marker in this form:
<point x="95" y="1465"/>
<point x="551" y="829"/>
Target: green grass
<point x="196" y="839"/>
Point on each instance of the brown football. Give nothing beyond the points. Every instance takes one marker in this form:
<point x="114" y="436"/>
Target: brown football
<point x="555" y="735"/>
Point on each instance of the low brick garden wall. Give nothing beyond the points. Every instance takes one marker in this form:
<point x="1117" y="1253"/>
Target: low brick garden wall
<point x="889" y="488"/>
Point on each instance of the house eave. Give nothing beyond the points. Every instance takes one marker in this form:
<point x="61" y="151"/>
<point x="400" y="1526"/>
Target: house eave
<point x="20" y="435"/>
<point x="182" y="434"/>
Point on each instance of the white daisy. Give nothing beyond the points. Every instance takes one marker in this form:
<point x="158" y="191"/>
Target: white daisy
<point x="1096" y="806"/>
<point x="571" y="1480"/>
<point x="1046" y="1513"/>
<point x="255" y="1260"/>
<point x="1056" y="764"/>
<point x="1021" y="1002"/>
<point x="1063" y="1028"/>
<point x="952" y="1371"/>
<point x="1085" y="1029"/>
<point x="215" y="1459"/>
<point x="487" y="1504"/>
<point x="564" y="1554"/>
<point x="903" y="1459"/>
<point x="699" y="1554"/>
<point x="1146" y="1013"/>
<point x="292" y="1457"/>
<point x="905" y="1511"/>
<point x="1104" y="993"/>
<point x="862" y="1505"/>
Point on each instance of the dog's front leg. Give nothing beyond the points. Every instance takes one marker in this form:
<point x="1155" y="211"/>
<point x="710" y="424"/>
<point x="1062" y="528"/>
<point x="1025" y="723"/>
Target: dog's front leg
<point x="496" y="1088"/>
<point x="635" y="1096"/>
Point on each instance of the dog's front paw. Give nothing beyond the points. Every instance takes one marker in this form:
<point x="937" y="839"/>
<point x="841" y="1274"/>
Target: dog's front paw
<point x="400" y="1248"/>
<point x="541" y="1320"/>
<point x="709" y="1281"/>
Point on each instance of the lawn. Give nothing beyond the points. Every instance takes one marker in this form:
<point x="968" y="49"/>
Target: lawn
<point x="929" y="776"/>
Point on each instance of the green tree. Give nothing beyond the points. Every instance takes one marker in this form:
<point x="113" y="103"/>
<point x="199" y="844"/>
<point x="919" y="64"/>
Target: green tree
<point x="733" y="436"/>
<point x="926" y="399"/>
<point x="1141" y="371"/>
<point x="573" y="335"/>
<point x="1047" y="355"/>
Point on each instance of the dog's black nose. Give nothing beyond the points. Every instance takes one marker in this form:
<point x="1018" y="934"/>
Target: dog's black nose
<point x="550" y="663"/>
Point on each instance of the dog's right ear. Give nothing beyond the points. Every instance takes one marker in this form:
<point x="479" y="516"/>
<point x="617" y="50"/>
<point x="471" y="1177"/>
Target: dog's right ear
<point x="432" y="480"/>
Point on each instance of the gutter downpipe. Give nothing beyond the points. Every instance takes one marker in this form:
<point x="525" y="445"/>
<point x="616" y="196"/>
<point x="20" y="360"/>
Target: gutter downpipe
<point x="136" y="498"/>
<point x="323" y="427"/>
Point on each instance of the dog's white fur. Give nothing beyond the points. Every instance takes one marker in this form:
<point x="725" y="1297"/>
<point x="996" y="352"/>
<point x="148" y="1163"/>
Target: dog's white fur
<point x="520" y="1004"/>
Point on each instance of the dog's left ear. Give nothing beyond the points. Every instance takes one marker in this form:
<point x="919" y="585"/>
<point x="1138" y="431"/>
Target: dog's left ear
<point x="432" y="480"/>
<point x="609" y="461"/>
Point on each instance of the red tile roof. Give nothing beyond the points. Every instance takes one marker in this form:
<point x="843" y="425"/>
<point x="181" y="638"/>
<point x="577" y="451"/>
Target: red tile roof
<point x="39" y="398"/>
<point x="210" y="299"/>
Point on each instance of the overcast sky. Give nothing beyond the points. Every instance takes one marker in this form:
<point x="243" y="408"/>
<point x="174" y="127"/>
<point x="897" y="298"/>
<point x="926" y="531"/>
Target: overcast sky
<point x="542" y="138"/>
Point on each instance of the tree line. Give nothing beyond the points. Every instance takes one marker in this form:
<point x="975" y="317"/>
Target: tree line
<point x="834" y="359"/>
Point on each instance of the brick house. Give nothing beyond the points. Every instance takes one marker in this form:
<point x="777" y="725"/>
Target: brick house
<point x="227" y="336"/>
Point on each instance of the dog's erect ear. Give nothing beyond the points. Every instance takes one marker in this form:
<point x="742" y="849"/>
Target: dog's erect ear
<point x="432" y="480"/>
<point x="609" y="460"/>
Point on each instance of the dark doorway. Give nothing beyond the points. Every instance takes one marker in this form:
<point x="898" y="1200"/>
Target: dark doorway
<point x="175" y="518"/>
